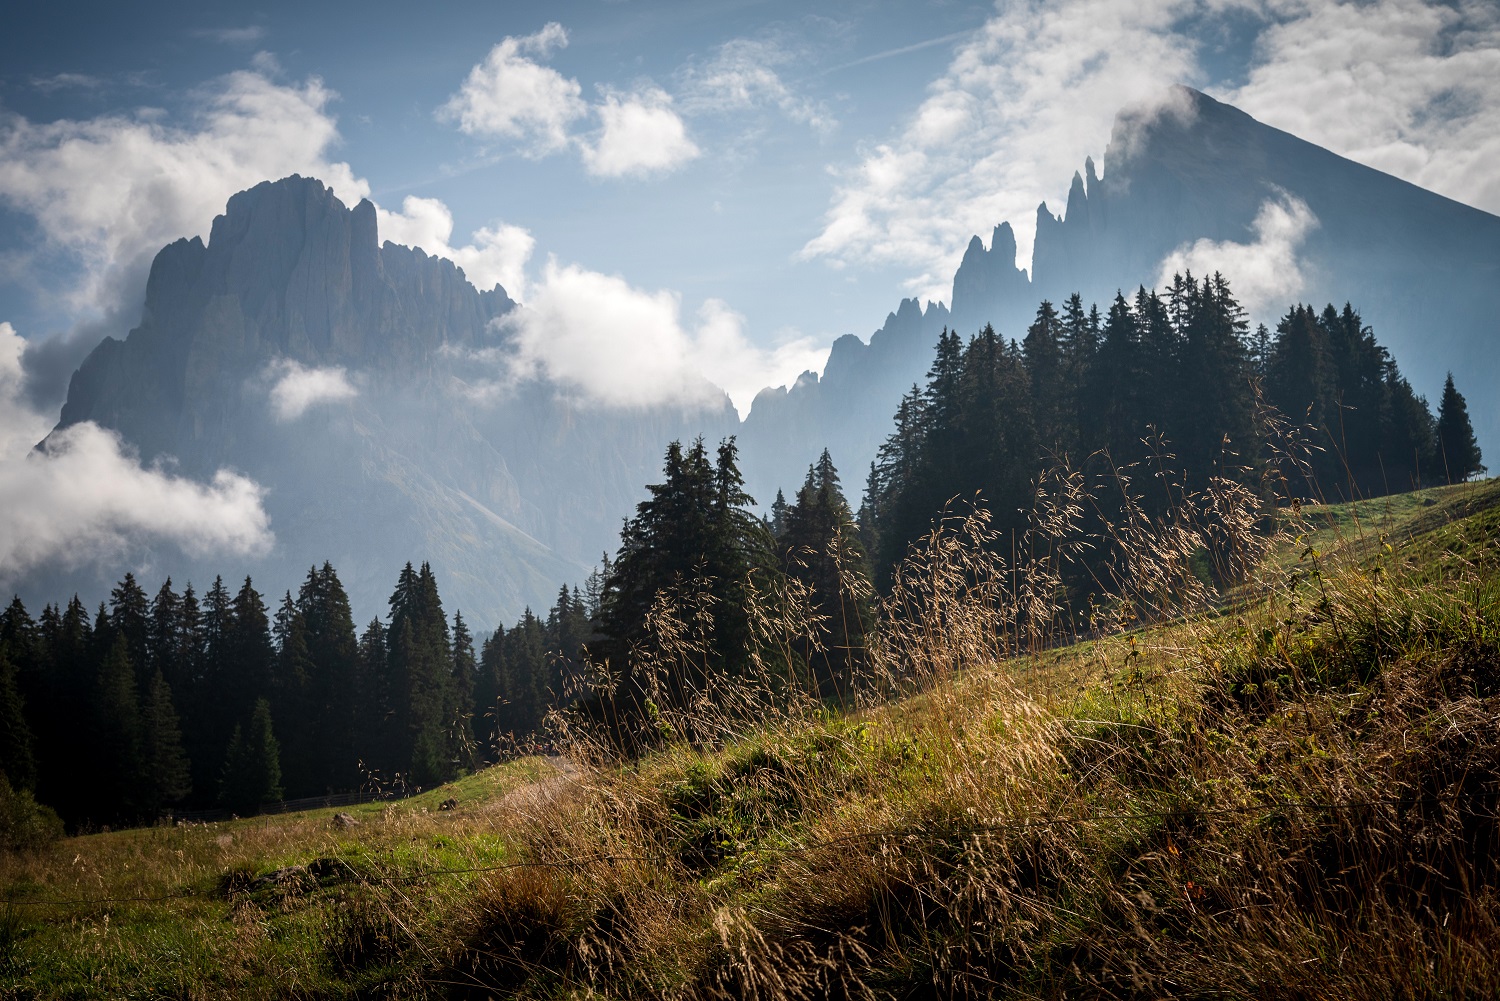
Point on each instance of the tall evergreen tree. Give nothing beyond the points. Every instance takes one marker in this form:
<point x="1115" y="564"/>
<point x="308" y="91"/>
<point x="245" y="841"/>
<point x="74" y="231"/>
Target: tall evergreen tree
<point x="693" y="531"/>
<point x="117" y="740"/>
<point x="821" y="548"/>
<point x="17" y="758"/>
<point x="1457" y="446"/>
<point x="130" y="617"/>
<point x="460" y="709"/>
<point x="166" y="776"/>
<point x="374" y="713"/>
<point x="333" y="652"/>
<point x="422" y="678"/>
<point x="252" y="764"/>
<point x="1047" y="368"/>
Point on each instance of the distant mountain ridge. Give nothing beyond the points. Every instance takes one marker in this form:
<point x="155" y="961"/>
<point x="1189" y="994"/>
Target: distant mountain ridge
<point x="1423" y="270"/>
<point x="509" y="498"/>
<point x="516" y="494"/>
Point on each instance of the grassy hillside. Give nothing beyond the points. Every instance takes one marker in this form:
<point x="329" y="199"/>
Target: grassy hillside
<point x="1294" y="795"/>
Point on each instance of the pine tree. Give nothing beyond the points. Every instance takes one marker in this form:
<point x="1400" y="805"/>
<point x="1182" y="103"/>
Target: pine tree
<point x="116" y="739"/>
<point x="130" y="617"/>
<point x="252" y="765"/>
<point x="777" y="524"/>
<point x="291" y="697"/>
<point x="166" y="611"/>
<point x="1457" y="446"/>
<point x="333" y="652"/>
<point x="62" y="711"/>
<point x="460" y="709"/>
<point x="166" y="776"/>
<point x="422" y="678"/>
<point x="374" y="713"/>
<point x="1043" y="353"/>
<point x="17" y="758"/>
<point x="821" y="548"/>
<point x="693" y="533"/>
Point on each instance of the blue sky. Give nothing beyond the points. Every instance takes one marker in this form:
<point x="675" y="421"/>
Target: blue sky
<point x="748" y="180"/>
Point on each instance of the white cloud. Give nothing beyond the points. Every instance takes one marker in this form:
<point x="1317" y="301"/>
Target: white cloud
<point x="1022" y="103"/>
<point x="85" y="498"/>
<point x="1266" y="273"/>
<point x="1407" y="87"/>
<point x="742" y="75"/>
<point x="113" y="190"/>
<point x="512" y="96"/>
<point x="641" y="135"/>
<point x="248" y="35"/>
<point x="621" y="346"/>
<point x="67" y="81"/>
<point x="1411" y="87"/>
<point x="298" y="388"/>
<point x="495" y="255"/>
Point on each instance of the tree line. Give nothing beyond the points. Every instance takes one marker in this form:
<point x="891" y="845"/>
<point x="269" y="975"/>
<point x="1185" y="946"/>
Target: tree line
<point x="176" y="700"/>
<point x="1177" y="366"/>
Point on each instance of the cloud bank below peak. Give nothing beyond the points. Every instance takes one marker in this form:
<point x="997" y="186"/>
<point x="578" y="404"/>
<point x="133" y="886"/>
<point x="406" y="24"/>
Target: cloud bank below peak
<point x="86" y="499"/>
<point x="608" y="343"/>
<point x="1266" y="272"/>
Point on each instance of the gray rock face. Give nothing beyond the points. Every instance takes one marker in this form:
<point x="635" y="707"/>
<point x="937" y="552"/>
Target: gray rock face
<point x="509" y="498"/>
<point x="848" y="411"/>
<point x="1422" y="269"/>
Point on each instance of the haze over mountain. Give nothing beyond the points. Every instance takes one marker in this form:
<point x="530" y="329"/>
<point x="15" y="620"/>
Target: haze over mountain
<point x="1196" y="184"/>
<point x="364" y="386"/>
<point x="379" y="398"/>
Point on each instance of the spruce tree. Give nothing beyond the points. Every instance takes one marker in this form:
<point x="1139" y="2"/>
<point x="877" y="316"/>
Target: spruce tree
<point x="1047" y="367"/>
<point x="821" y="548"/>
<point x="116" y="740"/>
<point x="166" y="611"/>
<point x="17" y="758"/>
<point x="1457" y="446"/>
<point x="130" y="617"/>
<point x="252" y="764"/>
<point x="292" y="700"/>
<point x="460" y="710"/>
<point x="372" y="702"/>
<point x="166" y="776"/>
<point x="333" y="653"/>
<point x="422" y="678"/>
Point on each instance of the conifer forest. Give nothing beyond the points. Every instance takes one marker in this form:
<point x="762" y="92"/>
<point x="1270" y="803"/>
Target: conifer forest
<point x="180" y="699"/>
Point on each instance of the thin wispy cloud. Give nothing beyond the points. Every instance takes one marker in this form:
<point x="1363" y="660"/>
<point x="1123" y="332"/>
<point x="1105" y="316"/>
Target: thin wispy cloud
<point x="875" y="57"/>
<point x="67" y="81"/>
<point x="248" y="35"/>
<point x="1023" y="101"/>
<point x="746" y="74"/>
<point x="1406" y="86"/>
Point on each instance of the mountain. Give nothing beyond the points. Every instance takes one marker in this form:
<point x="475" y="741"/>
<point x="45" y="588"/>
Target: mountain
<point x="1422" y="269"/>
<point x="509" y="494"/>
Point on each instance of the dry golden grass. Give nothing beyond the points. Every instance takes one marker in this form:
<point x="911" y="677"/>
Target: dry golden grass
<point x="1267" y="767"/>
